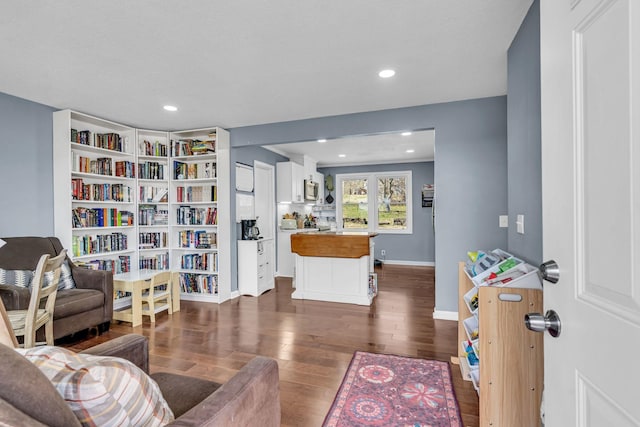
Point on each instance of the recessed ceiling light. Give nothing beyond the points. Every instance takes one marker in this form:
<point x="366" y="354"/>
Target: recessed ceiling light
<point x="322" y="140"/>
<point x="385" y="74"/>
<point x="411" y="150"/>
<point x="342" y="155"/>
<point x="170" y="108"/>
<point x="405" y="133"/>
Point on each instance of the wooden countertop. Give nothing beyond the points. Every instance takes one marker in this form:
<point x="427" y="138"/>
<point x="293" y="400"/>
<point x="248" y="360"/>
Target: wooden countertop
<point x="331" y="244"/>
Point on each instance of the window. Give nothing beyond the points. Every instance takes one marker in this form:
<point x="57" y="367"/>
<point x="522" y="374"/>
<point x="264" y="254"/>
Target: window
<point x="379" y="202"/>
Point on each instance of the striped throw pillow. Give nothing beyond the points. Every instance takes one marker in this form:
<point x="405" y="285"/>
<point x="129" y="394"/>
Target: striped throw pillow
<point x="66" y="279"/>
<point x="102" y="390"/>
<point x="20" y="278"/>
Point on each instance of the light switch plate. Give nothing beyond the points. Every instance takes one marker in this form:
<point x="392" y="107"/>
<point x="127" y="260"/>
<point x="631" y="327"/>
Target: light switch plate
<point x="504" y="221"/>
<point x="520" y="224"/>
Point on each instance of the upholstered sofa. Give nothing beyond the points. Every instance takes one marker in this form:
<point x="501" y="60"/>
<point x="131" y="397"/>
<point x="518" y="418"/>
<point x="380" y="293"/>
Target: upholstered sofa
<point x="89" y="305"/>
<point x="249" y="398"/>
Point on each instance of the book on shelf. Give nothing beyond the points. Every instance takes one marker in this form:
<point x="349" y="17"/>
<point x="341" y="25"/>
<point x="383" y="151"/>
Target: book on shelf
<point x="193" y="170"/>
<point x="156" y="148"/>
<point x="193" y="147"/>
<point x="198" y="193"/>
<point x="100" y="217"/>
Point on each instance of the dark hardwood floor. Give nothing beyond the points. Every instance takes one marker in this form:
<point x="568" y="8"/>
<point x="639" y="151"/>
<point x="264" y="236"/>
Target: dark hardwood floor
<point x="312" y="341"/>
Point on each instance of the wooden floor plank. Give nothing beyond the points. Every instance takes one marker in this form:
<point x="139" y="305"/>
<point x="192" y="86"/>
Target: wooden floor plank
<point x="312" y="341"/>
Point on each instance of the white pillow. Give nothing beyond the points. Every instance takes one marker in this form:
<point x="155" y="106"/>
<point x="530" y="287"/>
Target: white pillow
<point x="102" y="390"/>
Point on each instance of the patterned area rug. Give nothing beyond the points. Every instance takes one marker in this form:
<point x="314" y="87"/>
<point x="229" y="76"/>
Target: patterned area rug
<point x="385" y="390"/>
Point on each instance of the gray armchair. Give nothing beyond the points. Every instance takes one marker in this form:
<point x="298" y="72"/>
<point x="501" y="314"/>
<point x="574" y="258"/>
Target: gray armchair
<point x="89" y="305"/>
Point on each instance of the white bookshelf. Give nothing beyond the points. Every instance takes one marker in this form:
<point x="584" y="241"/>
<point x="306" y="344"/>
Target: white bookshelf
<point x="94" y="183"/>
<point x="199" y="203"/>
<point x="141" y="191"/>
<point x="153" y="171"/>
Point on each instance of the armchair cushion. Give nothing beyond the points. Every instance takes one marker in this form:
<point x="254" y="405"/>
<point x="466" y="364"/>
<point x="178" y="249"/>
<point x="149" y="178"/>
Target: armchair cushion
<point x="102" y="390"/>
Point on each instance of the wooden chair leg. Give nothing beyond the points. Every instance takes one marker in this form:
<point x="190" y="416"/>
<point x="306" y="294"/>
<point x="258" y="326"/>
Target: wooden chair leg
<point x="48" y="332"/>
<point x="152" y="310"/>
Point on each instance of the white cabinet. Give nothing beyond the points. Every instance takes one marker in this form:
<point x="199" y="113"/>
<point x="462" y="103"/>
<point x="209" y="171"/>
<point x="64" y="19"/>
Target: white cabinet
<point x="94" y="190"/>
<point x="255" y="266"/>
<point x="290" y="182"/>
<point x="199" y="214"/>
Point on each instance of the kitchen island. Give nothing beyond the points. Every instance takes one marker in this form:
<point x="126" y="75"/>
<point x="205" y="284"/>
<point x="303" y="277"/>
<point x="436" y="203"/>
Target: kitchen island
<point x="333" y="266"/>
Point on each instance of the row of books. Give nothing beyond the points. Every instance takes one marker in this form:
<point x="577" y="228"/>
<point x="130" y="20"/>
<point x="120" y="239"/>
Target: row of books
<point x="150" y="194"/>
<point x="198" y="193"/>
<point x="197" y="239"/>
<point x="156" y="148"/>
<point x="155" y="262"/>
<point x="187" y="215"/>
<point x="151" y="170"/>
<point x="201" y="262"/>
<point x="153" y="240"/>
<point x="100" y="192"/>
<point x="199" y="170"/>
<point x="99" y="166"/>
<point x="100" y="217"/>
<point x="109" y="141"/>
<point x="198" y="283"/>
<point x="151" y="215"/>
<point x="191" y="147"/>
<point x="126" y="169"/>
<point x="120" y="265"/>
<point x="99" y="243"/>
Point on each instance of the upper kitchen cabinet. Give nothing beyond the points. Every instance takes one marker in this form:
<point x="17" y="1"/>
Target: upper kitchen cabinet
<point x="290" y="181"/>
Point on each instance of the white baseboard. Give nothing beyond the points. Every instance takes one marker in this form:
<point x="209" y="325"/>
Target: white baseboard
<point x="416" y="263"/>
<point x="234" y="294"/>
<point x="445" y="315"/>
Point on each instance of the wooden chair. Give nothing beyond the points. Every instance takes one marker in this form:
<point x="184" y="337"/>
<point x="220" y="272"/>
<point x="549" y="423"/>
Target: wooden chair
<point x="157" y="297"/>
<point x="6" y="331"/>
<point x="27" y="322"/>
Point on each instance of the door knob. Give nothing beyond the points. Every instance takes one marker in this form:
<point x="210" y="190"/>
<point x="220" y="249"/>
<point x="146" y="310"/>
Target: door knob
<point x="538" y="323"/>
<point x="550" y="271"/>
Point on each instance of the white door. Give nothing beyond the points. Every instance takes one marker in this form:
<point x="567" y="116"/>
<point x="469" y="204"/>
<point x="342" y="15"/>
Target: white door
<point x="264" y="192"/>
<point x="590" y="52"/>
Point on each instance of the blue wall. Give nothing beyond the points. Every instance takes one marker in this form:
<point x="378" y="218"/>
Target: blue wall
<point x="419" y="246"/>
<point x="524" y="140"/>
<point x="26" y="168"/>
<point x="470" y="170"/>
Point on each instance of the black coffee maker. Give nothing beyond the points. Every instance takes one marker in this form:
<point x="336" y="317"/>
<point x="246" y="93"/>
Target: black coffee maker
<point x="249" y="229"/>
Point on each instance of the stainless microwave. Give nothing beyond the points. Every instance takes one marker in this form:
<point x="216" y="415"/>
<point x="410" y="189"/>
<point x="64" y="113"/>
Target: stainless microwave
<point x="310" y="190"/>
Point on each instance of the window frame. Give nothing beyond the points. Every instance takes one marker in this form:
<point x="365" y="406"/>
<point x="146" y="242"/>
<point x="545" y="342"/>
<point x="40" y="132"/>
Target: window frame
<point x="372" y="200"/>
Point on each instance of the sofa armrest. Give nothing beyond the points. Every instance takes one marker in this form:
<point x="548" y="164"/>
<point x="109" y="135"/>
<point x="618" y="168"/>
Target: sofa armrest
<point x="132" y="347"/>
<point x="15" y="297"/>
<point x="99" y="280"/>
<point x="249" y="398"/>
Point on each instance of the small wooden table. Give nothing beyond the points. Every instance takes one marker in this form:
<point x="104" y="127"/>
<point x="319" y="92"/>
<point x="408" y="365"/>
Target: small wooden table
<point x="134" y="282"/>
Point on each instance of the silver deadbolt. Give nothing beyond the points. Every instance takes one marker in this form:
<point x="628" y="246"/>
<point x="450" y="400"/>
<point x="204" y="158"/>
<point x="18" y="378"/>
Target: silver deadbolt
<point x="549" y="322"/>
<point x="550" y="271"/>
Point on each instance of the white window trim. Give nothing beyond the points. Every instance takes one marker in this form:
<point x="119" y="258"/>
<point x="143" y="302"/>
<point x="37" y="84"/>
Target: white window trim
<point x="372" y="194"/>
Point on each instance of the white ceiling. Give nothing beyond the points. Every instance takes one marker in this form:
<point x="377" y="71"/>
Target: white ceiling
<point x="365" y="149"/>
<point x="239" y="63"/>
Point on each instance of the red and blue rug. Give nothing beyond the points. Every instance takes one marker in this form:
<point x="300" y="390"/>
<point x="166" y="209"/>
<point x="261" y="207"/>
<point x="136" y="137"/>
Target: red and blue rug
<point x="386" y="390"/>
